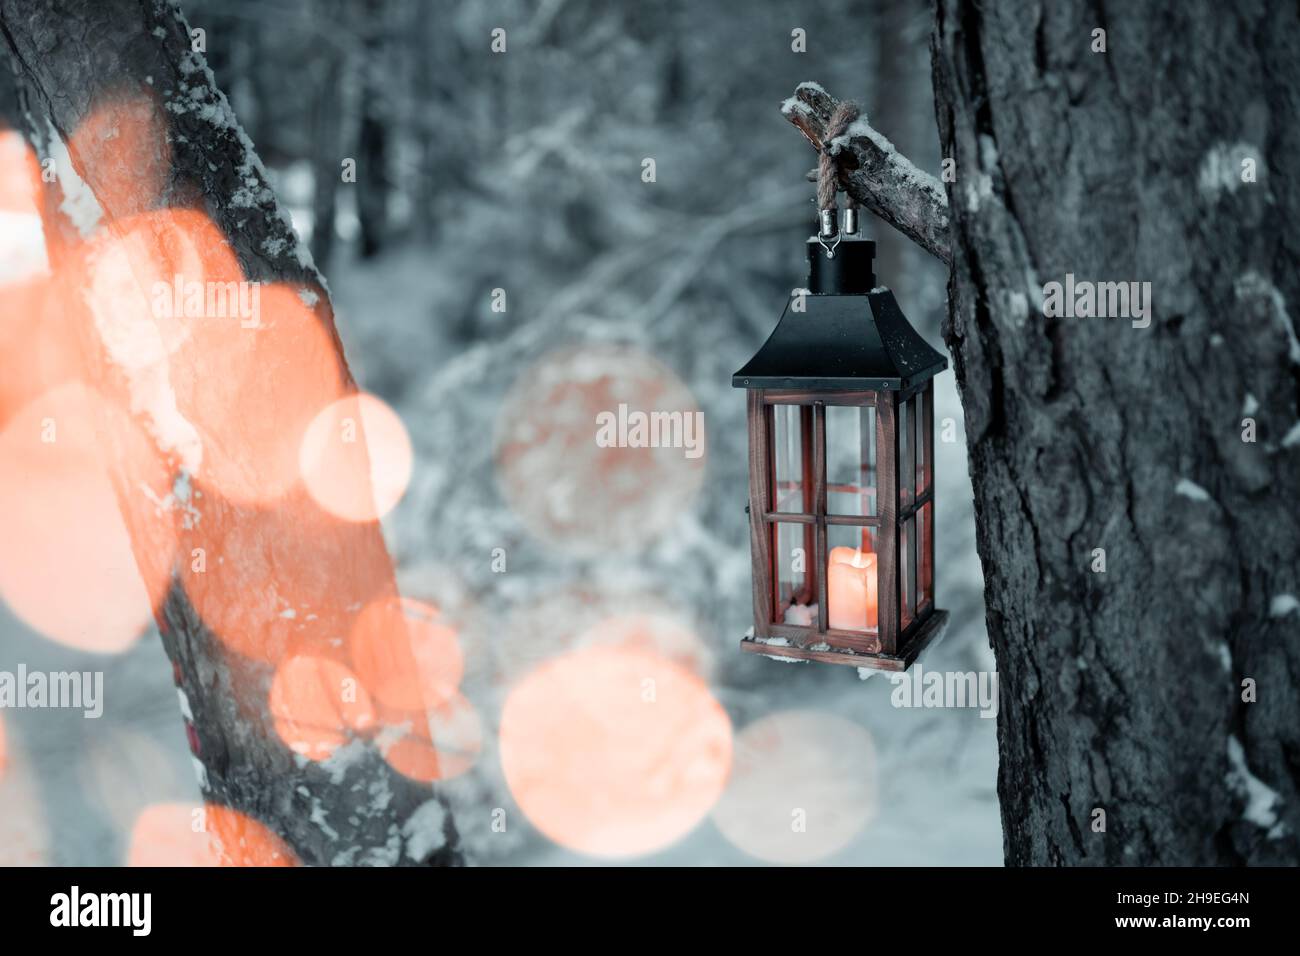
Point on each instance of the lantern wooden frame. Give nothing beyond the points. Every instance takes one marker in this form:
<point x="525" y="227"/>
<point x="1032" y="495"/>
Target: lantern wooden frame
<point x="850" y="347"/>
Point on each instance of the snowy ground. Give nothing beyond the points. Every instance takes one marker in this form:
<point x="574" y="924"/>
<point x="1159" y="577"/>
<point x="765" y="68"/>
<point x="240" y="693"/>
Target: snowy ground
<point x="71" y="788"/>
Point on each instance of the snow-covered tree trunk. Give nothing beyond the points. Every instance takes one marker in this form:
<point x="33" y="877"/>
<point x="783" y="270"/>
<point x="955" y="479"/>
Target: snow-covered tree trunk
<point x="88" y="65"/>
<point x="1134" y="143"/>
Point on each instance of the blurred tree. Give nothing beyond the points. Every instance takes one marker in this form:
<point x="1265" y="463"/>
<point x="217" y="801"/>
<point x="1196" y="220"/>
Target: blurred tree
<point x="372" y="144"/>
<point x="128" y="67"/>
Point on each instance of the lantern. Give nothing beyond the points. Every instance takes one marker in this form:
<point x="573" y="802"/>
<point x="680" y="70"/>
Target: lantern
<point x="841" y="469"/>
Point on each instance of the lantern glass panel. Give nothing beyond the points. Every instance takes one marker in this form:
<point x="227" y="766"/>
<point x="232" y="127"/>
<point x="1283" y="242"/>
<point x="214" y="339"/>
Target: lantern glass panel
<point x="906" y="453"/>
<point x="925" y="540"/>
<point x="792" y="490"/>
<point x="907" y="569"/>
<point x="852" y="578"/>
<point x="792" y="554"/>
<point x="851" y="460"/>
<point x="920" y="416"/>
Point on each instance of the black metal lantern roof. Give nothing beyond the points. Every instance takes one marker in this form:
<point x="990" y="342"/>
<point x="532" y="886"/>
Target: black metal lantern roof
<point x="849" y="334"/>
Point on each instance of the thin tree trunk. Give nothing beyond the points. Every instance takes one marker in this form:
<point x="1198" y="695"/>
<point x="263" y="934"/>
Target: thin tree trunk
<point x="372" y="135"/>
<point x="1122" y="691"/>
<point x="84" y="56"/>
<point x="326" y="131"/>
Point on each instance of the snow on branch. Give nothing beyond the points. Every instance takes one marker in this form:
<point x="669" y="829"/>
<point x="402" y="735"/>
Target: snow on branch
<point x="874" y="173"/>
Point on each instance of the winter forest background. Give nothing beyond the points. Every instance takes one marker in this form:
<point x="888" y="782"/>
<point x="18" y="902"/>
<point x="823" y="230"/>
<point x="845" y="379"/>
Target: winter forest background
<point x="522" y="171"/>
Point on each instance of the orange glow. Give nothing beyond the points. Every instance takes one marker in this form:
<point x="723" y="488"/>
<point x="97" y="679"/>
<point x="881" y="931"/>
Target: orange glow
<point x="230" y="372"/>
<point x="851" y="583"/>
<point x="404" y="654"/>
<point x="568" y="489"/>
<point x="315" y="703"/>
<point x="252" y="392"/>
<point x="67" y="568"/>
<point x="802" y="788"/>
<point x="280" y="580"/>
<point x="18" y="165"/>
<point x="356" y="458"/>
<point x="36" y="350"/>
<point x="180" y="834"/>
<point x="122" y="153"/>
<point x="654" y="632"/>
<point x="614" y="752"/>
<point x="439" y="745"/>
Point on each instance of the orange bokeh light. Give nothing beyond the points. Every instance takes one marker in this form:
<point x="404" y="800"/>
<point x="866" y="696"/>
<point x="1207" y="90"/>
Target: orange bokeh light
<point x="805" y="767"/>
<point x="180" y="834"/>
<point x="404" y="654"/>
<point x="565" y="487"/>
<point x="229" y="372"/>
<point x="123" y="154"/>
<point x="356" y="458"/>
<point x="614" y="751"/>
<point x="280" y="580"/>
<point x="67" y="567"/>
<point x="438" y="744"/>
<point x="316" y="704"/>
<point x="252" y="393"/>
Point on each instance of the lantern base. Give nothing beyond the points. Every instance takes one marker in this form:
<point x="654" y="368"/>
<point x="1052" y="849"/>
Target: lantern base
<point x="931" y="628"/>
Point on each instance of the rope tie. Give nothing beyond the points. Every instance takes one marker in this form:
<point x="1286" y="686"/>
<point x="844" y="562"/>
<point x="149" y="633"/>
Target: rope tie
<point x="828" y="170"/>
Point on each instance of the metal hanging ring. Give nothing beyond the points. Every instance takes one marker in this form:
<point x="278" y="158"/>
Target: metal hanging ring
<point x="830" y="250"/>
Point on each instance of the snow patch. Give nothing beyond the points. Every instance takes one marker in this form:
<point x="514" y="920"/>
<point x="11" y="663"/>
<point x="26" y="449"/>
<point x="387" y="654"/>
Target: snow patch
<point x="1282" y="605"/>
<point x="423" y="830"/>
<point x="1221" y="168"/>
<point x="800" y="615"/>
<point x="1292" y="437"/>
<point x="318" y="817"/>
<point x="1190" y="489"/>
<point x="978" y="188"/>
<point x="901" y="167"/>
<point x="134" y="343"/>
<point x="79" y="203"/>
<point x="1260" y="797"/>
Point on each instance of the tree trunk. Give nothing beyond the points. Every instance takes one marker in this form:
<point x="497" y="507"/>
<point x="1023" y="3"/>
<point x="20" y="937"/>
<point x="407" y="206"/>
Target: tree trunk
<point x="90" y="64"/>
<point x="1128" y="691"/>
<point x="372" y="134"/>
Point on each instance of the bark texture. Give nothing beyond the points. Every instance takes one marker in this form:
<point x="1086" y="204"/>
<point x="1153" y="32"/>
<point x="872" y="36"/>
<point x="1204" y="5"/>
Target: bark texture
<point x="1122" y="691"/>
<point x="82" y="56"/>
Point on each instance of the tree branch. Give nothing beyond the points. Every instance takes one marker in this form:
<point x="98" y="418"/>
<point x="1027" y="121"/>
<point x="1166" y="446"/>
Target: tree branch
<point x="874" y="173"/>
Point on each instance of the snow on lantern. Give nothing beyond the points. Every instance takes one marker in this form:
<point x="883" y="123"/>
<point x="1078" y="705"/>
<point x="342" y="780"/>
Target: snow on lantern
<point x="841" y="468"/>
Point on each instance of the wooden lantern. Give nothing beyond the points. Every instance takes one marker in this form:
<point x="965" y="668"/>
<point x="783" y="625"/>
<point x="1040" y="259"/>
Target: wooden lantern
<point x="841" y="472"/>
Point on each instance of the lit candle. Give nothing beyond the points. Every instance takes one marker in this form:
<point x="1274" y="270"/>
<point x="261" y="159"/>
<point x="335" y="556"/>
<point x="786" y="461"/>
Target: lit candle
<point x="851" y="589"/>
